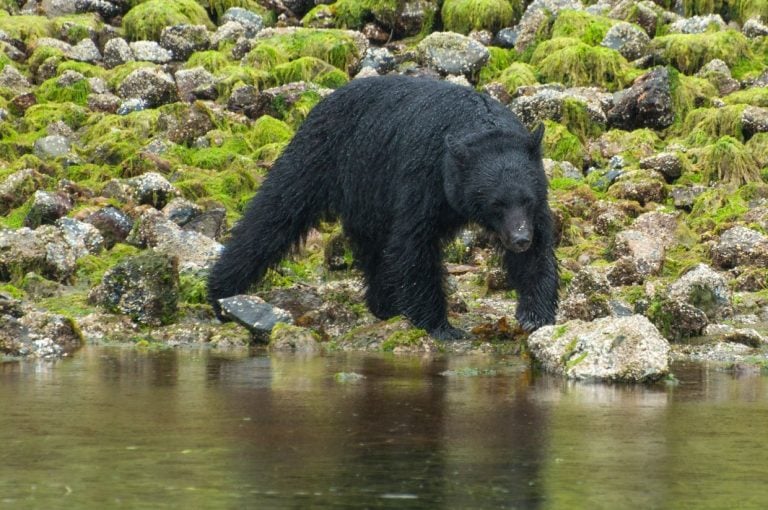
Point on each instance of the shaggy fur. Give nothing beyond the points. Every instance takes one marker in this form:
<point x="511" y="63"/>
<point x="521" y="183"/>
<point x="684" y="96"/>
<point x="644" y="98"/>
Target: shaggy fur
<point x="404" y="163"/>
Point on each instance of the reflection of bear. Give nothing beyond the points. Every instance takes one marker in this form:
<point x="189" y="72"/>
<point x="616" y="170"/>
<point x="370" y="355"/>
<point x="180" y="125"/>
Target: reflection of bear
<point x="405" y="162"/>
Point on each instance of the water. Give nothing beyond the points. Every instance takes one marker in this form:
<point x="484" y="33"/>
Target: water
<point x="114" y="428"/>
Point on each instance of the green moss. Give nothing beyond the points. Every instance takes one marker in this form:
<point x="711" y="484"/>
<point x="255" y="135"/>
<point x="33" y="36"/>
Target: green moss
<point x="11" y="290"/>
<point x="146" y="21"/>
<point x="295" y="113"/>
<point x="308" y="69"/>
<point x="583" y="65"/>
<point x="112" y="139"/>
<point x="27" y="28"/>
<point x="688" y="93"/>
<point x="40" y="116"/>
<point x="51" y="91"/>
<point x="15" y="218"/>
<point x="498" y="60"/>
<point x="742" y="10"/>
<point x="268" y="130"/>
<point x="235" y="76"/>
<point x="689" y="52"/>
<point x="719" y="208"/>
<point x="119" y="73"/>
<point x="75" y="27"/>
<point x="578" y="121"/>
<point x="70" y="305"/>
<point x="560" y="144"/>
<point x="756" y="96"/>
<point x="728" y="161"/>
<point x="464" y="16"/>
<point x="231" y="187"/>
<point x="517" y="75"/>
<point x="193" y="289"/>
<point x="546" y="48"/>
<point x="219" y="7"/>
<point x="403" y="338"/>
<point x="266" y="56"/>
<point x="714" y="123"/>
<point x="84" y="68"/>
<point x="758" y="147"/>
<point x="336" y="47"/>
<point x="212" y="61"/>
<point x="588" y="28"/>
<point x="91" y="268"/>
<point x="41" y="55"/>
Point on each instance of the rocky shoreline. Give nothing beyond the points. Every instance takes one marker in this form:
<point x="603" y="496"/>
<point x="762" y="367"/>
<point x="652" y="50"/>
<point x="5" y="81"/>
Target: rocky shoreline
<point x="133" y="133"/>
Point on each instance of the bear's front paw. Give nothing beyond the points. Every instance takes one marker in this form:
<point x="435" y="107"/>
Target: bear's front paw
<point x="447" y="333"/>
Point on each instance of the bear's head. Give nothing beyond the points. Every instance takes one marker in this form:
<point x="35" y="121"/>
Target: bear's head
<point x="496" y="178"/>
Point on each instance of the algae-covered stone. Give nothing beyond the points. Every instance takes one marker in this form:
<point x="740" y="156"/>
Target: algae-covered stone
<point x="627" y="349"/>
<point x="689" y="52"/>
<point x="464" y="16"/>
<point x="144" y="287"/>
<point x="45" y="251"/>
<point x="183" y="40"/>
<point x="117" y="52"/>
<point x="153" y="86"/>
<point x="647" y="103"/>
<point x="705" y="289"/>
<point x="451" y="53"/>
<point x="113" y="224"/>
<point x="645" y="250"/>
<point x="575" y="63"/>
<point x="39" y="335"/>
<point x="628" y="39"/>
<point x="146" y="20"/>
<point x="17" y="187"/>
<point x="587" y="297"/>
<point x="289" y="338"/>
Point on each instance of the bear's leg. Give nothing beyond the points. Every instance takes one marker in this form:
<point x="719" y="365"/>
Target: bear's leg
<point x="379" y="295"/>
<point x="414" y="266"/>
<point x="275" y="220"/>
<point x="533" y="274"/>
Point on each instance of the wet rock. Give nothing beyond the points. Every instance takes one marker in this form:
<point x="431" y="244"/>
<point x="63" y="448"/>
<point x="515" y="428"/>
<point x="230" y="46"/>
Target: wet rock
<point x="684" y="196"/>
<point x="380" y="60"/>
<point x="717" y="72"/>
<point x="36" y="287"/>
<point x="647" y="252"/>
<point x="754" y="28"/>
<point x="21" y="103"/>
<point x="13" y="80"/>
<point x="195" y="251"/>
<point x="679" y="319"/>
<point x="185" y="124"/>
<point x="627" y="349"/>
<point x="230" y="31"/>
<point x="540" y="103"/>
<point x="642" y="190"/>
<point x="506" y="38"/>
<point x="740" y="246"/>
<point x="451" y="53"/>
<point x="195" y="83"/>
<point x="754" y="119"/>
<point x="608" y="217"/>
<point x="54" y="8"/>
<point x="245" y="100"/>
<point x="51" y="147"/>
<point x="150" y="85"/>
<point x="627" y="39"/>
<point x="38" y="335"/>
<point x="536" y="16"/>
<point x="132" y="105"/>
<point x="46" y="208"/>
<point x="250" y="21"/>
<point x="705" y="289"/>
<point x="104" y="8"/>
<point x="411" y="17"/>
<point x="254" y="313"/>
<point x="117" y="52"/>
<point x="288" y="338"/>
<point x="85" y="51"/>
<point x="624" y="272"/>
<point x="107" y="103"/>
<point x="659" y="225"/>
<point x="10" y="306"/>
<point x="150" y="51"/>
<point x="151" y="188"/>
<point x="696" y="24"/>
<point x="18" y="187"/>
<point x="587" y="298"/>
<point x="83" y="238"/>
<point x="181" y="211"/>
<point x="44" y="251"/>
<point x="667" y="164"/>
<point x="183" y="40"/>
<point x="106" y="327"/>
<point x="113" y="224"/>
<point x="731" y="334"/>
<point x="371" y="31"/>
<point x="211" y="223"/>
<point x="145" y="287"/>
<point x="647" y="103"/>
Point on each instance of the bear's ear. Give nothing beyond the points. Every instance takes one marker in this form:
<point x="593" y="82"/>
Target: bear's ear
<point x="457" y="149"/>
<point x="538" y="135"/>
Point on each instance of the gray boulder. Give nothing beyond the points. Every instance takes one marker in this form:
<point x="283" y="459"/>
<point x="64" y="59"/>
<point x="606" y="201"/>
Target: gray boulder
<point x="151" y="188"/>
<point x="705" y="289"/>
<point x="12" y="79"/>
<point x="85" y="51"/>
<point x="112" y="223"/>
<point x="144" y="287"/>
<point x="250" y="21"/>
<point x="183" y="40"/>
<point x="754" y="28"/>
<point x="117" y="52"/>
<point x="450" y="53"/>
<point x="39" y="335"/>
<point x="667" y="164"/>
<point x="46" y="208"/>
<point x="254" y="313"/>
<point x="195" y="83"/>
<point x="83" y="238"/>
<point x="626" y="349"/>
<point x="150" y="51"/>
<point x="647" y="103"/>
<point x="628" y="39"/>
<point x="696" y="24"/>
<point x="740" y="246"/>
<point x="45" y="251"/>
<point x="51" y="147"/>
<point x="646" y="252"/>
<point x="150" y="85"/>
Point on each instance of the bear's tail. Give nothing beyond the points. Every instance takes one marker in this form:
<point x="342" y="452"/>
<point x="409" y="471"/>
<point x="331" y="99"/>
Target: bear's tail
<point x="290" y="201"/>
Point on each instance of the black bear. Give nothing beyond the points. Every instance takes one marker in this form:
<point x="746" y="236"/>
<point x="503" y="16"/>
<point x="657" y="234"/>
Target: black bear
<point x="404" y="163"/>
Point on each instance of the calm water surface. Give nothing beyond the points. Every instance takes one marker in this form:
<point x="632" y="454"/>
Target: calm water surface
<point x="200" y="429"/>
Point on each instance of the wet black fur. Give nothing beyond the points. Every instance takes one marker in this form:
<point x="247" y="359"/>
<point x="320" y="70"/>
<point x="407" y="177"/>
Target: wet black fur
<point x="404" y="163"/>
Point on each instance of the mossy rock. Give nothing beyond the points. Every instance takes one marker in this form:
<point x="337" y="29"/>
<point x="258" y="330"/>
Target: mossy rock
<point x="464" y="16"/>
<point x="146" y="20"/>
<point x="736" y="10"/>
<point x="337" y="47"/>
<point x="757" y="96"/>
<point x="498" y="60"/>
<point x="74" y="28"/>
<point x="704" y="125"/>
<point x="268" y="130"/>
<point x="219" y="7"/>
<point x="50" y="91"/>
<point x="586" y="27"/>
<point x="353" y="14"/>
<point x="632" y="146"/>
<point x="758" y="147"/>
<point x="212" y="61"/>
<point x="40" y="116"/>
<point x="583" y="65"/>
<point x="517" y="75"/>
<point x="27" y="28"/>
<point x="560" y="144"/>
<point x="309" y="69"/>
<point x="689" y="93"/>
<point x="728" y="161"/>
<point x="689" y="52"/>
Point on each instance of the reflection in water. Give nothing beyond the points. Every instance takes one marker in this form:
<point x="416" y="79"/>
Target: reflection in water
<point x="115" y="427"/>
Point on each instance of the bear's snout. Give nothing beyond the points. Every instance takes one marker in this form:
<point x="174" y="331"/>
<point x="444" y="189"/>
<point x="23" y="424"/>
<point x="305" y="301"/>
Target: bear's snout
<point x="516" y="235"/>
